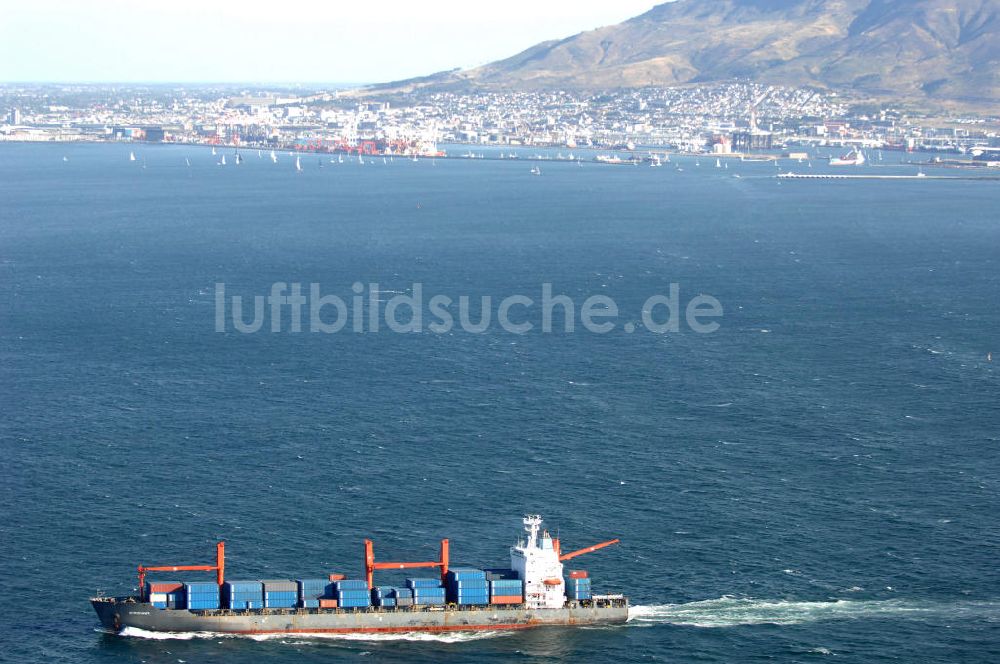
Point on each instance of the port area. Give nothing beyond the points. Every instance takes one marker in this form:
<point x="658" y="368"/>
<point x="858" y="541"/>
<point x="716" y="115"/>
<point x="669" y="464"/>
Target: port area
<point x="597" y="602"/>
<point x="837" y="176"/>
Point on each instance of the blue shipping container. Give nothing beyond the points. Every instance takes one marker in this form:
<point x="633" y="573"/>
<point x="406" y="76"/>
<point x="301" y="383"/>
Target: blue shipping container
<point x="423" y="583"/>
<point x="351" y="584"/>
<point x="352" y="603"/>
<point x="315" y="588"/>
<point x="465" y="574"/>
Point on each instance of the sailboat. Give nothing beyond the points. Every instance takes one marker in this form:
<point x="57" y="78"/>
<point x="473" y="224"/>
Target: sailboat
<point x="298" y="164"/>
<point x="239" y="159"/>
<point x="319" y="160"/>
<point x="274" y="157"/>
<point x="187" y="162"/>
<point x="361" y="160"/>
<point x="222" y="162"/>
<point x="213" y="151"/>
<point x="718" y="163"/>
<point x="259" y="154"/>
<point x="131" y="156"/>
<point x="340" y="159"/>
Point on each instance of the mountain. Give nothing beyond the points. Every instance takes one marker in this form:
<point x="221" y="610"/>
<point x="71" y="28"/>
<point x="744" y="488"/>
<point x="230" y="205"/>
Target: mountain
<point x="942" y="49"/>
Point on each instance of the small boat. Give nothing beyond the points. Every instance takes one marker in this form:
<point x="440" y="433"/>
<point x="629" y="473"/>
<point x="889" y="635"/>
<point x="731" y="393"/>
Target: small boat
<point x="131" y="156"/>
<point x="65" y="158"/>
<point x="535" y="170"/>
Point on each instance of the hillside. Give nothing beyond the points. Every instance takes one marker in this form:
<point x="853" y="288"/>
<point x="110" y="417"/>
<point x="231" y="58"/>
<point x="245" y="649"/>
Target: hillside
<point x="942" y="49"/>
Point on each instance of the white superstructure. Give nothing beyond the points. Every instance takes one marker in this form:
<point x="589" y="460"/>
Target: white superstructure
<point x="536" y="561"/>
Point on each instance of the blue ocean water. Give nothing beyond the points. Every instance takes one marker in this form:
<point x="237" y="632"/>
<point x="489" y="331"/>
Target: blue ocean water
<point x="817" y="478"/>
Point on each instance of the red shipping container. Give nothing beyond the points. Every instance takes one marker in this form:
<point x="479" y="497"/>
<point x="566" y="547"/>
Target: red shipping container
<point x="506" y="599"/>
<point x="165" y="587"/>
<point x="577" y="574"/>
<point x="338" y="577"/>
<point x="327" y="603"/>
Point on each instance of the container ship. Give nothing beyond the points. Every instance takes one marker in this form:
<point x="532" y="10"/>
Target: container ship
<point x="534" y="591"/>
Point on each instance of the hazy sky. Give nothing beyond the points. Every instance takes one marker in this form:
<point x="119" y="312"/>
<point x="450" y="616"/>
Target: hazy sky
<point x="252" y="40"/>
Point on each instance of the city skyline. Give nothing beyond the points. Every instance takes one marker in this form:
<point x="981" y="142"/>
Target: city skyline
<point x="111" y="41"/>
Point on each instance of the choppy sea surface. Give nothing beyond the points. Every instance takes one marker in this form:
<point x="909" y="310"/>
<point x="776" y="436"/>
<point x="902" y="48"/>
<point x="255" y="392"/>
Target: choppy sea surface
<point x="817" y="480"/>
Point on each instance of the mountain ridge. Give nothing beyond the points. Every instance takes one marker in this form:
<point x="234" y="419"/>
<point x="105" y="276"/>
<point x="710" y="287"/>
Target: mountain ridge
<point x="911" y="49"/>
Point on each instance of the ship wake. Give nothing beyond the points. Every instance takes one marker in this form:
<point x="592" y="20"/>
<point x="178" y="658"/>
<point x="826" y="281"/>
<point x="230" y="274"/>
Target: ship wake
<point x="732" y="612"/>
<point x="300" y="638"/>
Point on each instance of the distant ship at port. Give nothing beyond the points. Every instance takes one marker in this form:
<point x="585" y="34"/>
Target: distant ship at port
<point x="852" y="158"/>
<point x="534" y="591"/>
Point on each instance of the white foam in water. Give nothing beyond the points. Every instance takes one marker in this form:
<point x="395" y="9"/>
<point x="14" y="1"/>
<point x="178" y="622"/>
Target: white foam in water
<point x="304" y="637"/>
<point x="731" y="611"/>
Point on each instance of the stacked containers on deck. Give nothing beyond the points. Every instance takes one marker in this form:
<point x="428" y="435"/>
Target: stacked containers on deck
<point x="311" y="591"/>
<point x="241" y="595"/>
<point x="468" y="586"/>
<point x="280" y="594"/>
<point x="426" y="591"/>
<point x="202" y="595"/>
<point x="403" y="596"/>
<point x="506" y="591"/>
<point x="384" y="596"/>
<point x="165" y="594"/>
<point x="578" y="585"/>
<point x="352" y="593"/>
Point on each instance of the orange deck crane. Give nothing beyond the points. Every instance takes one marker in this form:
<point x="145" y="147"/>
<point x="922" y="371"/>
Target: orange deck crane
<point x="371" y="565"/>
<point x="219" y="568"/>
<point x="580" y="552"/>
